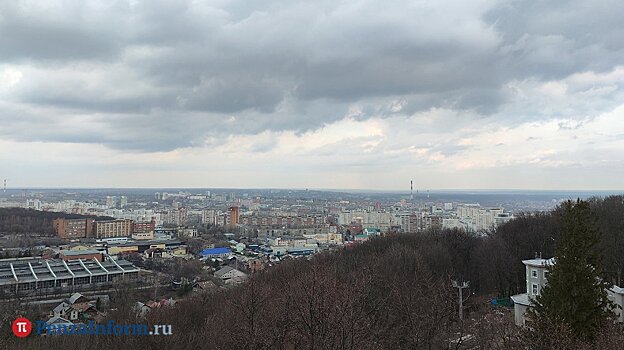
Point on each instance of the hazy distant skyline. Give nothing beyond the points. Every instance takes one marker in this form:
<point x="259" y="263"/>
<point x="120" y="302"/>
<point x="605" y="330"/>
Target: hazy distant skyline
<point x="326" y="94"/>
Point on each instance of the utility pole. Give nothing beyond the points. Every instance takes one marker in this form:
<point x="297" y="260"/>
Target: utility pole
<point x="460" y="286"/>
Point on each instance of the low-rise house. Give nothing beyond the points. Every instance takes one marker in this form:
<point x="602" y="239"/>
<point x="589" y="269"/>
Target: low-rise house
<point x="229" y="274"/>
<point x="372" y="231"/>
<point x="79" y="301"/>
<point x="157" y="304"/>
<point x="537" y="278"/>
<point x="279" y="250"/>
<point x="205" y="285"/>
<point x="152" y="253"/>
<point x="75" y="307"/>
<point x="188" y="232"/>
<point x="65" y="311"/>
<point x="58" y="323"/>
<point x="180" y="250"/>
<point x="141" y="309"/>
<point x="239" y="247"/>
<point x="616" y="295"/>
<point x="256" y="264"/>
<point x="360" y="238"/>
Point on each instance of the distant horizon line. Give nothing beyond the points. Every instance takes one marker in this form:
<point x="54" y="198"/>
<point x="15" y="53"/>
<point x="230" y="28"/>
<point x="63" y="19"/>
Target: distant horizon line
<point x="357" y="190"/>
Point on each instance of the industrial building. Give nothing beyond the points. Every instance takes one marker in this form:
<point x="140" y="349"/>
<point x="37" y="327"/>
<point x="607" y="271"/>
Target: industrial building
<point x="50" y="276"/>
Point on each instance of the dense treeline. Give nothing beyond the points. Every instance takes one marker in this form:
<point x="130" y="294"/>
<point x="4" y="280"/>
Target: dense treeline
<point x="20" y="220"/>
<point x="389" y="293"/>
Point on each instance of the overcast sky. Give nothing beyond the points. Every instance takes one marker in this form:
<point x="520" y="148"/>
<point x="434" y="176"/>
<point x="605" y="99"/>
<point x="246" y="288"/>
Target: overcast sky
<point x="313" y="94"/>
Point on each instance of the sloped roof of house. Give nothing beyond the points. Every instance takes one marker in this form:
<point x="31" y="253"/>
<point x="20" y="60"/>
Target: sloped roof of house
<point x="75" y="297"/>
<point x="618" y="290"/>
<point x="60" y="307"/>
<point x="59" y="320"/>
<point x="139" y="305"/>
<point x="522" y="299"/>
<point x="223" y="271"/>
<point x="539" y="262"/>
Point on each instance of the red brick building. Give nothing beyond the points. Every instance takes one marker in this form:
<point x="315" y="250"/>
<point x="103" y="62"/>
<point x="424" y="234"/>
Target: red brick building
<point x="73" y="228"/>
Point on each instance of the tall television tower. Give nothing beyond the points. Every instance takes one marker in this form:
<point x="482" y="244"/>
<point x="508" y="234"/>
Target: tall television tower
<point x="4" y="185"/>
<point x="411" y="190"/>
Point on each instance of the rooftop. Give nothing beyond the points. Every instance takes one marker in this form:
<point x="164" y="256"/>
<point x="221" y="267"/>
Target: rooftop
<point x="80" y="252"/>
<point x="211" y="251"/>
<point x="38" y="269"/>
<point x="539" y="262"/>
<point x="522" y="299"/>
<point x="618" y="290"/>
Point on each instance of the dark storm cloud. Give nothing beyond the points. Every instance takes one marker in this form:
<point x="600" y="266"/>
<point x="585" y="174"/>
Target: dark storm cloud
<point x="159" y="75"/>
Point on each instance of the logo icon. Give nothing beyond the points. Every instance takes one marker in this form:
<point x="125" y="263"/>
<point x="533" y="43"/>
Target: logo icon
<point x="21" y="327"/>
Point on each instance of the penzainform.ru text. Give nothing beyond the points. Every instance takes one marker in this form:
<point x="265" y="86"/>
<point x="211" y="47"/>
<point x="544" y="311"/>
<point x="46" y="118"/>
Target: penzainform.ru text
<point x="110" y="328"/>
<point x="22" y="328"/>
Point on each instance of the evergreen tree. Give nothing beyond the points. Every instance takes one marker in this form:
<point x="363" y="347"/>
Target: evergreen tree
<point x="575" y="297"/>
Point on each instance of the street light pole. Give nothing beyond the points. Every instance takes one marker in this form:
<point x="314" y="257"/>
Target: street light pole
<point x="460" y="287"/>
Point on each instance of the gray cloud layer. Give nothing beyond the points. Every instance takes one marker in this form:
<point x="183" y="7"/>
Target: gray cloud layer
<point x="159" y="75"/>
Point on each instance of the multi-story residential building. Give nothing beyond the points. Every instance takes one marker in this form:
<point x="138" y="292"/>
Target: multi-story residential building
<point x="111" y="201"/>
<point x="283" y="220"/>
<point x="208" y="216"/>
<point x="234" y="213"/>
<point x="273" y="231"/>
<point x="410" y="222"/>
<point x="175" y="216"/>
<point x="73" y="228"/>
<point x="112" y="228"/>
<point x="382" y="220"/>
<point x="476" y="218"/>
<point x="33" y="204"/>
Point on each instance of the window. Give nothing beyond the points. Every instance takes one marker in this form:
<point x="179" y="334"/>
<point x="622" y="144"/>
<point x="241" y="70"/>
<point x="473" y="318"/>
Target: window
<point x="534" y="289"/>
<point x="545" y="274"/>
<point x="533" y="273"/>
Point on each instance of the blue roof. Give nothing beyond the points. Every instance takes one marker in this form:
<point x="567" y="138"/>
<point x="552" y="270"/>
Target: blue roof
<point x="215" y="251"/>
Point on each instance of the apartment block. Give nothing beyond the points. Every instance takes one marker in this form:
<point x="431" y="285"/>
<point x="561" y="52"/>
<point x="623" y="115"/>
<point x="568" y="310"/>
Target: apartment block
<point x="113" y="228"/>
<point x="73" y="228"/>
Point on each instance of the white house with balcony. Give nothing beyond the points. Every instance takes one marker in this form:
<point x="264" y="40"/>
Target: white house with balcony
<point x="537" y="278"/>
